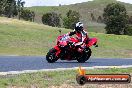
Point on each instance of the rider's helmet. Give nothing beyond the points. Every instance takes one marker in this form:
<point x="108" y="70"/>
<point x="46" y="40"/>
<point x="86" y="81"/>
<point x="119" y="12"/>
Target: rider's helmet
<point x="79" y="27"/>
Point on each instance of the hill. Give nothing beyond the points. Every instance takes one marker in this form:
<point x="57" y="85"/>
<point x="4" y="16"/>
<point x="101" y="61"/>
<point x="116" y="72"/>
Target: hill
<point x="85" y="9"/>
<point x="27" y="38"/>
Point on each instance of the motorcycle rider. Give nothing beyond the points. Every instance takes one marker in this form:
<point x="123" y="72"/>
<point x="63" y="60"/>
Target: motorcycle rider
<point x="81" y="35"/>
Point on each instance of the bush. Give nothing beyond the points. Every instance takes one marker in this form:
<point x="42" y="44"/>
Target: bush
<point x="27" y="15"/>
<point x="116" y="19"/>
<point x="71" y="19"/>
<point x="8" y="8"/>
<point x="129" y="30"/>
<point x="51" y="19"/>
<point x="100" y="19"/>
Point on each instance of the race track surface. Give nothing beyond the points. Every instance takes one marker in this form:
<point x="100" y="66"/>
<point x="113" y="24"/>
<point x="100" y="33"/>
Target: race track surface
<point x="20" y="63"/>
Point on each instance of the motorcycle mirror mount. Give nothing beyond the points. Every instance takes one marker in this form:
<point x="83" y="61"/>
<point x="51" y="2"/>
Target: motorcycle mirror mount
<point x="96" y="45"/>
<point x="60" y="31"/>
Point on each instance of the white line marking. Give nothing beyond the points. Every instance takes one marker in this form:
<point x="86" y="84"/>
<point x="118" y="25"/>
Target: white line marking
<point x="60" y="69"/>
<point x="9" y="55"/>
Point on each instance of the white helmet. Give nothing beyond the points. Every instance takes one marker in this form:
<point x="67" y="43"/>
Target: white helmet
<point x="79" y="27"/>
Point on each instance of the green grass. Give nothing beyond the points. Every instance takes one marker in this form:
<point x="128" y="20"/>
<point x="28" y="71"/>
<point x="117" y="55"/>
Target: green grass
<point x="113" y="46"/>
<point x="27" y="38"/>
<point x="55" y="78"/>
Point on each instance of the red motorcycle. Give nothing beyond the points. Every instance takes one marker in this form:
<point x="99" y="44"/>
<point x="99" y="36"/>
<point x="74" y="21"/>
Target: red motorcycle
<point x="66" y="50"/>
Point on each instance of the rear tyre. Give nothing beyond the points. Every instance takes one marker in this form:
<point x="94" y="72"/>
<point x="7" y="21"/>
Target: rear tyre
<point x="86" y="55"/>
<point x="51" y="56"/>
<point x="81" y="60"/>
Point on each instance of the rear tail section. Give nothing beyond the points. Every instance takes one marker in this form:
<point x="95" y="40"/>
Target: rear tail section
<point x="92" y="41"/>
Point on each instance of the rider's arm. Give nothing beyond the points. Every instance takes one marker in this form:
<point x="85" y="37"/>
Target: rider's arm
<point x="71" y="33"/>
<point x="80" y="42"/>
<point x="83" y="37"/>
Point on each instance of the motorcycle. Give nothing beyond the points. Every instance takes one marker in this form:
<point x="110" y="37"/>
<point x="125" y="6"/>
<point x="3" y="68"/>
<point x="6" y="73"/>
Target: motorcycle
<point x="65" y="49"/>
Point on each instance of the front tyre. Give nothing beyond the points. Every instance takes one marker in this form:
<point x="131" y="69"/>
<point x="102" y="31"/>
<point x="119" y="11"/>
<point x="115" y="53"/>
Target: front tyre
<point x="51" y="56"/>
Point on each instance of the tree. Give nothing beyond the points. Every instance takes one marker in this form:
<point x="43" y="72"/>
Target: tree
<point x="2" y="6"/>
<point x="71" y="19"/>
<point x="92" y="17"/>
<point x="51" y="19"/>
<point x="27" y="15"/>
<point x="116" y="19"/>
<point x="129" y="30"/>
<point x="11" y="9"/>
<point x="20" y="5"/>
<point x="100" y="19"/>
<point x="8" y="8"/>
<point x="130" y="20"/>
<point x="33" y="16"/>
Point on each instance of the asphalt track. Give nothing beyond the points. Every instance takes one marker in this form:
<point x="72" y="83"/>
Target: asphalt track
<point x="20" y="63"/>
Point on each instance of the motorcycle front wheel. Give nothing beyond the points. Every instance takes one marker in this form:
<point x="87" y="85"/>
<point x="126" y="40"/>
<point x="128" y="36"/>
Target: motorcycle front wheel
<point x="51" y="56"/>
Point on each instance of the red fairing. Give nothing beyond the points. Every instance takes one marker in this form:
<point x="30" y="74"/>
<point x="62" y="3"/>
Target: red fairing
<point x="63" y="43"/>
<point x="92" y="41"/>
<point x="58" y="38"/>
<point x="74" y="40"/>
<point x="57" y="49"/>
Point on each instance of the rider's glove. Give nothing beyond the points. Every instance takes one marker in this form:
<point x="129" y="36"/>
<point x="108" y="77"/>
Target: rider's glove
<point x="73" y="44"/>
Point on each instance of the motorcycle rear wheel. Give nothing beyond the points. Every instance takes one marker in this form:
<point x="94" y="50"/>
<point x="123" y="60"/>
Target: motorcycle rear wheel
<point x="51" y="57"/>
<point x="85" y="56"/>
<point x="88" y="54"/>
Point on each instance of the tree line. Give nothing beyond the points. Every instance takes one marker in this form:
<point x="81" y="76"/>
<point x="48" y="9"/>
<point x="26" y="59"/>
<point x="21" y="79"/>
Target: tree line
<point x="114" y="16"/>
<point x="13" y="8"/>
<point x="54" y="19"/>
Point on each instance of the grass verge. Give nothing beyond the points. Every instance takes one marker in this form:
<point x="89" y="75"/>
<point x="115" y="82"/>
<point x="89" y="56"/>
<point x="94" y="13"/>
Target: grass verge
<point x="27" y="38"/>
<point x="55" y="79"/>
